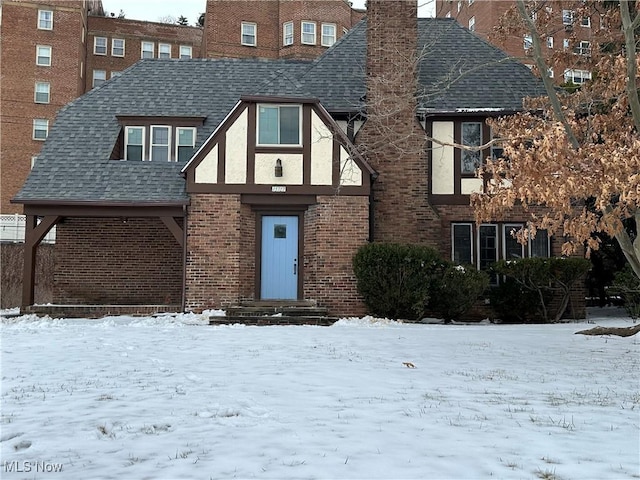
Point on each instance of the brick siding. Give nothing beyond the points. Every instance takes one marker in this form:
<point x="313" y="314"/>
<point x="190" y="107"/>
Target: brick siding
<point x="108" y="261"/>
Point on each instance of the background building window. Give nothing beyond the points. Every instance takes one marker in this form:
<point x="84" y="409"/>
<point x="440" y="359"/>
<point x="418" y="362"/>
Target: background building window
<point x="567" y="17"/>
<point x="585" y="22"/>
<point x="134" y="143"/>
<point x="42" y="92"/>
<point x="577" y="76"/>
<point x="186" y="140"/>
<point x="99" y="77"/>
<point x="164" y="50"/>
<point x="147" y="50"/>
<point x="549" y="42"/>
<point x="528" y="42"/>
<point x="287" y="33"/>
<point x="186" y="52"/>
<point x="278" y="125"/>
<point x="472" y="24"/>
<point x="583" y="48"/>
<point x="160" y="143"/>
<point x="117" y="47"/>
<point x="43" y="56"/>
<point x="100" y="46"/>
<point x="40" y="129"/>
<point x="249" y="34"/>
<point x="328" y="37"/>
<point x="45" y="19"/>
<point x="472" y="137"/>
<point x="308" y="33"/>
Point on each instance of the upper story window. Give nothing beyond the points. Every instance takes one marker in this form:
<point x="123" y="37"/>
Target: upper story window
<point x="117" y="47"/>
<point x="328" y="37"/>
<point x="472" y="24"/>
<point x="42" y="92"/>
<point x="249" y="35"/>
<point x="471" y="134"/>
<point x="549" y="42"/>
<point x="160" y="141"/>
<point x="100" y="45"/>
<point x="279" y="125"/>
<point x="577" y="76"/>
<point x="45" y="19"/>
<point x="528" y="42"/>
<point x="40" y="129"/>
<point x="43" y="55"/>
<point x="134" y="143"/>
<point x="164" y="50"/>
<point x="585" y="22"/>
<point x="99" y="77"/>
<point x="147" y="50"/>
<point x="583" y="48"/>
<point x="287" y="33"/>
<point x="185" y="141"/>
<point x="567" y="17"/>
<point x="186" y="51"/>
<point x="308" y="33"/>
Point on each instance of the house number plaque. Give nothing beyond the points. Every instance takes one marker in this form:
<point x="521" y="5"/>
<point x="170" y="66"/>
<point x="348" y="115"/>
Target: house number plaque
<point x="278" y="189"/>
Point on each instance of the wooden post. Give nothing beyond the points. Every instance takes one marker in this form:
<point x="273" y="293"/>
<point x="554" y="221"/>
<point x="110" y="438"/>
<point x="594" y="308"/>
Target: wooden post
<point x="33" y="235"/>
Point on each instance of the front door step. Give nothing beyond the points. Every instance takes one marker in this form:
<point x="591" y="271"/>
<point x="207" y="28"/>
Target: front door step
<point x="264" y="320"/>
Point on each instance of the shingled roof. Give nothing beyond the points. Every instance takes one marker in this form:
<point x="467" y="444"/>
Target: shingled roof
<point x="458" y="72"/>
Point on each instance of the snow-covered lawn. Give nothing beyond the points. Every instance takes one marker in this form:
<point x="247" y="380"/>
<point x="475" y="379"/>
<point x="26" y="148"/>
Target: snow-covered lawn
<point x="171" y="398"/>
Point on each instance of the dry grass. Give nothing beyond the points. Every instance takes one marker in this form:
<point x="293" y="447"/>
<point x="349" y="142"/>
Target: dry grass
<point x="11" y="266"/>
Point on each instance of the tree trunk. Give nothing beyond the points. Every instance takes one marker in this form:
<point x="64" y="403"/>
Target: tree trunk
<point x="618" y="331"/>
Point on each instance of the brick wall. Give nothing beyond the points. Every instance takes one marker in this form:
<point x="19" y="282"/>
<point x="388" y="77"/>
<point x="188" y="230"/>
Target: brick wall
<point x="392" y="139"/>
<point x="334" y="230"/>
<point x="134" y="32"/>
<point x="225" y="17"/>
<point x="213" y="257"/>
<point x="19" y="71"/>
<point x="108" y="261"/>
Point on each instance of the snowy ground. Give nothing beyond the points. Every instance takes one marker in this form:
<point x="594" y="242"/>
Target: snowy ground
<point x="171" y="398"/>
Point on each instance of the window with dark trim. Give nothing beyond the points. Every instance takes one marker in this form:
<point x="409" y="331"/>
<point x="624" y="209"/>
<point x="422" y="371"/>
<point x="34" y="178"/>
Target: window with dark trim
<point x="278" y="124"/>
<point x="471" y="136"/>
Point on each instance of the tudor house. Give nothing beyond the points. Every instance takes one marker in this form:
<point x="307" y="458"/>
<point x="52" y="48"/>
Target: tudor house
<point x="200" y="184"/>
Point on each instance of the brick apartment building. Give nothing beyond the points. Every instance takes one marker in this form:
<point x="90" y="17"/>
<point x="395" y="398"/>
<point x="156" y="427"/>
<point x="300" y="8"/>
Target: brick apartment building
<point x="572" y="28"/>
<point x="53" y="52"/>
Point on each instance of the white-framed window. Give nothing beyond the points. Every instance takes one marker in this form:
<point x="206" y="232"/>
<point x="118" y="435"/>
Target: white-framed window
<point x="114" y="74"/>
<point x="134" y="143"/>
<point x="42" y="92"/>
<point x="471" y="136"/>
<point x="43" y="55"/>
<point x="45" y="19"/>
<point x="287" y="33"/>
<point x="472" y="24"/>
<point x="99" y="45"/>
<point x="249" y="36"/>
<point x="99" y="77"/>
<point x="186" y="52"/>
<point x="448" y="15"/>
<point x="279" y="125"/>
<point x="33" y="161"/>
<point x="549" y="42"/>
<point x="40" y="129"/>
<point x="84" y="34"/>
<point x="583" y="48"/>
<point x="585" y="22"/>
<point x="328" y="34"/>
<point x="81" y="69"/>
<point x="528" y="42"/>
<point x="147" y="50"/>
<point x="550" y="73"/>
<point x="117" y="47"/>
<point x="566" y="43"/>
<point x="459" y="5"/>
<point x="462" y="243"/>
<point x="164" y="50"/>
<point x="160" y="142"/>
<point x="577" y="76"/>
<point x="185" y="141"/>
<point x="471" y="2"/>
<point x="567" y="17"/>
<point x="308" y="35"/>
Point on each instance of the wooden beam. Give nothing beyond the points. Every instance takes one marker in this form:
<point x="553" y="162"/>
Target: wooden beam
<point x="175" y="229"/>
<point x="34" y="233"/>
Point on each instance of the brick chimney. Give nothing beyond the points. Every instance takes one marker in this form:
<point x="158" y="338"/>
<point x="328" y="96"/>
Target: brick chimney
<point x="392" y="139"/>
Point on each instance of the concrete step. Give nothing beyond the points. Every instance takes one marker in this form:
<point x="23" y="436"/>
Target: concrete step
<point x="289" y="309"/>
<point x="277" y="319"/>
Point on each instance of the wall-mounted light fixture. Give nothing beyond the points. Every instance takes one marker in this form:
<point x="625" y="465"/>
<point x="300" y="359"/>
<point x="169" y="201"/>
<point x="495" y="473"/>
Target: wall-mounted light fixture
<point x="278" y="169"/>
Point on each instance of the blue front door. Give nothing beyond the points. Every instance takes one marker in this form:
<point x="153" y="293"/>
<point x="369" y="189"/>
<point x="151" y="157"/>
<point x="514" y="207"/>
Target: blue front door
<point x="279" y="264"/>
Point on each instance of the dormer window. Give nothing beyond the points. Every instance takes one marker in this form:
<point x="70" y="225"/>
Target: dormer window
<point x="279" y="125"/>
<point x="157" y="139"/>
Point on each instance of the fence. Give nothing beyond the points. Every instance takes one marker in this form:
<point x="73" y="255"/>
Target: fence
<point x="12" y="229"/>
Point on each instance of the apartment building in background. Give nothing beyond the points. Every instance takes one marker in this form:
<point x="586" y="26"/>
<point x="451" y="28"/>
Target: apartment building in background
<point x="52" y="52"/>
<point x="571" y="27"/>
